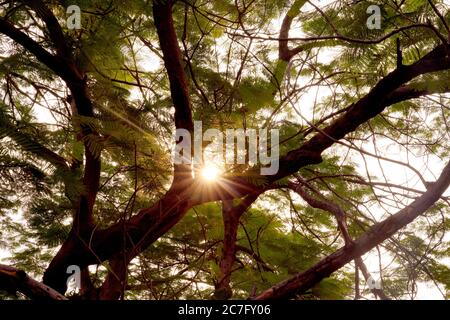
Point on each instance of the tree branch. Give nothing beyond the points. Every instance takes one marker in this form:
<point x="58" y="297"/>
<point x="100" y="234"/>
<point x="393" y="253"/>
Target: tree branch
<point x="63" y="64"/>
<point x="341" y="218"/>
<point x="323" y="204"/>
<point x="53" y="27"/>
<point x="231" y="216"/>
<point x="373" y="237"/>
<point x="284" y="53"/>
<point x="366" y="108"/>
<point x="368" y="277"/>
<point x="12" y="280"/>
<point x="162" y="16"/>
<point x="151" y="223"/>
<point x="51" y="61"/>
<point x="256" y="257"/>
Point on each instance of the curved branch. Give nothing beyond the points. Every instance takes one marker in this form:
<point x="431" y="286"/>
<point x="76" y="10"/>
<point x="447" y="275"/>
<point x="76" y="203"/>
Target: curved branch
<point x="381" y="96"/>
<point x="324" y="204"/>
<point x="53" y="27"/>
<point x="53" y="62"/>
<point x="373" y="237"/>
<point x="162" y="16"/>
<point x="347" y="39"/>
<point x="12" y="280"/>
<point x="231" y="216"/>
<point x="284" y="53"/>
<point x="63" y="64"/>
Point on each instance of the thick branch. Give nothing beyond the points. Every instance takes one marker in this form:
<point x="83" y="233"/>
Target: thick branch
<point x="53" y="27"/>
<point x="407" y="92"/>
<point x="54" y="63"/>
<point x="366" y="108"/>
<point x="162" y="15"/>
<point x="64" y="65"/>
<point x="13" y="280"/>
<point x="373" y="237"/>
<point x="284" y="53"/>
<point x="231" y="216"/>
<point x="142" y="229"/>
<point x="389" y="90"/>
<point x="115" y="283"/>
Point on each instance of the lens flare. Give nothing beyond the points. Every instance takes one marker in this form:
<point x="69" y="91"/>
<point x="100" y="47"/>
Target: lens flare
<point x="210" y="173"/>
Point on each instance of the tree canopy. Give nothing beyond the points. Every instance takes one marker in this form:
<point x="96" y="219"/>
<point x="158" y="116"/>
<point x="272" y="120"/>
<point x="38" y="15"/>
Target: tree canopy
<point x="94" y="92"/>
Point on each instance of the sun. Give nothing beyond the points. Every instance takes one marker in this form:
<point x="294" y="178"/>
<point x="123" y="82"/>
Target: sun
<point x="210" y="173"/>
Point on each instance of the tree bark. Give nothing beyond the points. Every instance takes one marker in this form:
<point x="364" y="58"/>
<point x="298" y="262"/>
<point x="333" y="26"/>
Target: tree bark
<point x="12" y="280"/>
<point x="231" y="216"/>
<point x="373" y="237"/>
<point x="230" y="225"/>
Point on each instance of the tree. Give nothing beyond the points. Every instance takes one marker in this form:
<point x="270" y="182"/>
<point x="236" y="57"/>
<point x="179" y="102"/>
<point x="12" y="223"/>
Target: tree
<point x="97" y="188"/>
